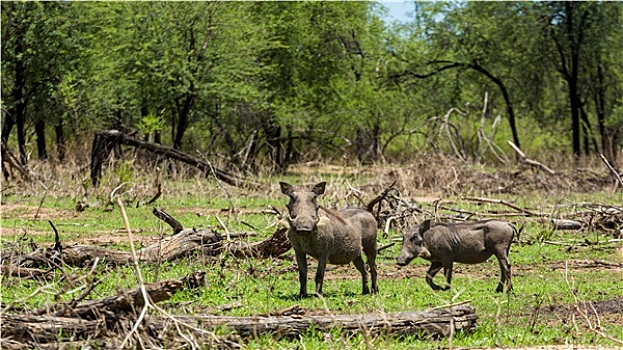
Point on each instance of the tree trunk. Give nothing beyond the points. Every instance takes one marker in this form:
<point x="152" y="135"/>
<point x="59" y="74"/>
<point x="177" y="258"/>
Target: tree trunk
<point x="90" y="319"/>
<point x="608" y="147"/>
<point x="21" y="133"/>
<point x="574" y="98"/>
<point x="272" y="129"/>
<point x="105" y="141"/>
<point x="111" y="318"/>
<point x="185" y="243"/>
<point x="367" y="143"/>
<point x="19" y="109"/>
<point x="182" y="122"/>
<point x="42" y="150"/>
<point x="7" y="125"/>
<point x="157" y="137"/>
<point x="575" y="115"/>
<point x="509" y="105"/>
<point x="588" y="133"/>
<point x="60" y="140"/>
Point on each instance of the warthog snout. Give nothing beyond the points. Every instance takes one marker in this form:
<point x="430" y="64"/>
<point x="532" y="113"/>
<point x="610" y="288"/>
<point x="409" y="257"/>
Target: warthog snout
<point x="304" y="225"/>
<point x="412" y="245"/>
<point x="406" y="256"/>
<point x="404" y="259"/>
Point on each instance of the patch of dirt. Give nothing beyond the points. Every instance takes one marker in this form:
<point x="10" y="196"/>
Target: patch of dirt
<point x="612" y="306"/>
<point x="571" y="265"/>
<point x="31" y="212"/>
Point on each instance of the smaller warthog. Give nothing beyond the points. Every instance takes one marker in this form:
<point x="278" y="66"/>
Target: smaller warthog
<point x="335" y="237"/>
<point x="470" y="243"/>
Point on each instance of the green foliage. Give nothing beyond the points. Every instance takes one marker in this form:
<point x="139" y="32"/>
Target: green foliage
<point x="151" y="123"/>
<point x="274" y="83"/>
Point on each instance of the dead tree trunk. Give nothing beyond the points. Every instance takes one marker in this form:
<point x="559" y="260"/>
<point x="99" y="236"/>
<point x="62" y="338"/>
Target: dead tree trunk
<point x="104" y="141"/>
<point x="170" y="248"/>
<point x="182" y="244"/>
<point x="435" y="323"/>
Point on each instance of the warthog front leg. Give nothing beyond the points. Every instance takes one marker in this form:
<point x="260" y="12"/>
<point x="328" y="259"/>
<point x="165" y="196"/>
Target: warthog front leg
<point x="430" y="274"/>
<point x="301" y="261"/>
<point x="358" y="262"/>
<point x="322" y="266"/>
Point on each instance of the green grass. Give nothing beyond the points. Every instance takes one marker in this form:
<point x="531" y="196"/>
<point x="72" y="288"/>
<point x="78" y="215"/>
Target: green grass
<point x="543" y="273"/>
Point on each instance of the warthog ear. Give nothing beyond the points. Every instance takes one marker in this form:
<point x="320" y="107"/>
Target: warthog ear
<point x="319" y="188"/>
<point x="425" y="226"/>
<point x="286" y="189"/>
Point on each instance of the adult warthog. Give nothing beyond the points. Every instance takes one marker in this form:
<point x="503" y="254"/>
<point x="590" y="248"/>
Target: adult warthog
<point x="335" y="237"/>
<point x="470" y="243"/>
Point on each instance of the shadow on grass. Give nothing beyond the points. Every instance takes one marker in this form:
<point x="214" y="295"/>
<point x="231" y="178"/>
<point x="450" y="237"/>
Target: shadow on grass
<point x="329" y="295"/>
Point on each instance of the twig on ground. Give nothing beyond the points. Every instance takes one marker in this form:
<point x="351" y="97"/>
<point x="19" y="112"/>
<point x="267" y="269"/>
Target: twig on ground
<point x="529" y="161"/>
<point x="354" y="192"/>
<point x="385" y="247"/>
<point x="378" y="199"/>
<point x="138" y="273"/>
<point x="224" y="228"/>
<point x="614" y="172"/>
<point x="45" y="194"/>
<point x="503" y="202"/>
<point x="171" y="221"/>
<point x="157" y="195"/>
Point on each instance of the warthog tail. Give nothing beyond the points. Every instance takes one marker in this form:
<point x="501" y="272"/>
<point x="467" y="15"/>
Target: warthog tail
<point x="516" y="233"/>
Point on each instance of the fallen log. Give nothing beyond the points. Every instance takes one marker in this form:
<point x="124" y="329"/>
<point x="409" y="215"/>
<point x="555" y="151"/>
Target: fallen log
<point x="171" y="248"/>
<point x="89" y="319"/>
<point x="125" y="302"/>
<point x="434" y="323"/>
<point x="105" y="141"/>
<point x="273" y="246"/>
<point x="183" y="243"/>
<point x="44" y="329"/>
<point x="24" y="272"/>
<point x="565" y="224"/>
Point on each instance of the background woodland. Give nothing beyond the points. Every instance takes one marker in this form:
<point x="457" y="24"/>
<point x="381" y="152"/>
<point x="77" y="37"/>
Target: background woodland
<point x="257" y="85"/>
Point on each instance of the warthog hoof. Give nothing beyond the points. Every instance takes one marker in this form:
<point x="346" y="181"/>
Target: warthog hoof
<point x="437" y="288"/>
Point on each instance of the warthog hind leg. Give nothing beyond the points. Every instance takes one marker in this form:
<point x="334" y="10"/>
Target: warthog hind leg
<point x="373" y="274"/>
<point x="371" y="257"/>
<point x="505" y="274"/>
<point x="361" y="267"/>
